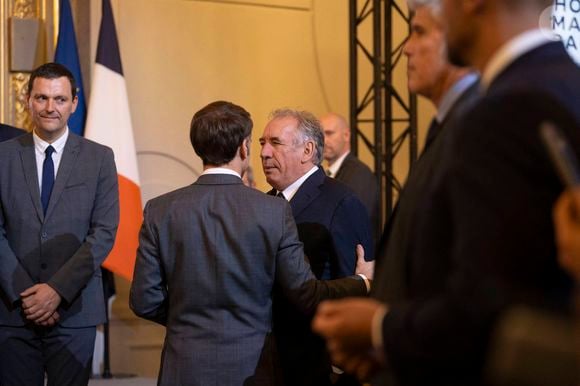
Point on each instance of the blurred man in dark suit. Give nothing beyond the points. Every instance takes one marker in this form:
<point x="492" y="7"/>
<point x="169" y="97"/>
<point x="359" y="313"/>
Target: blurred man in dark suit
<point x="331" y="221"/>
<point x="485" y="241"/>
<point x="346" y="167"/>
<point x="7" y="132"/>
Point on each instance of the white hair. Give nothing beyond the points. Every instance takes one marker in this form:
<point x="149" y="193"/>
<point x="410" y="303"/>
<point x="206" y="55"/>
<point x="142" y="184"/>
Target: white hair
<point x="433" y="5"/>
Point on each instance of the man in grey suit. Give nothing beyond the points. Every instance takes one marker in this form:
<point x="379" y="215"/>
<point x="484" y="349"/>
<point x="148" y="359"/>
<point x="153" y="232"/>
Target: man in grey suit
<point x="58" y="217"/>
<point x="209" y="255"/>
<point x="347" y="168"/>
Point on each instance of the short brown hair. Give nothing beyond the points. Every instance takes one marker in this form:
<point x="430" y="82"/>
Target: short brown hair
<point x="218" y="130"/>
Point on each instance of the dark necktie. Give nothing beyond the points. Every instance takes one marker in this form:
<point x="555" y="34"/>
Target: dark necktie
<point x="432" y="132"/>
<point x="47" y="177"/>
<point x="281" y="195"/>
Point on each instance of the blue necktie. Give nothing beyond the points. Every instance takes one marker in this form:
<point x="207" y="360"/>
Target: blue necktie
<point x="47" y="177"/>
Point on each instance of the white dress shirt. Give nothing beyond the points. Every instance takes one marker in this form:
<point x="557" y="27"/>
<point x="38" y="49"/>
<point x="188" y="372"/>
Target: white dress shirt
<point x="220" y="171"/>
<point x="291" y="190"/>
<point x="333" y="169"/>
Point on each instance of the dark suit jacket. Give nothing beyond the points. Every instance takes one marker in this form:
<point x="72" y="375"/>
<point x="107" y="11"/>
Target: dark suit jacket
<point x="8" y="132"/>
<point x="209" y="255"/>
<point x="361" y="180"/>
<point x="65" y="247"/>
<point x="484" y="240"/>
<point x="331" y="221"/>
<point x="400" y="234"/>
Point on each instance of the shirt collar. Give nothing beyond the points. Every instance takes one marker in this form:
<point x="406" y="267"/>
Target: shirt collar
<point x="513" y="49"/>
<point x="220" y="171"/>
<point x="291" y="190"/>
<point x="454" y="93"/>
<point x="40" y="144"/>
<point x="337" y="164"/>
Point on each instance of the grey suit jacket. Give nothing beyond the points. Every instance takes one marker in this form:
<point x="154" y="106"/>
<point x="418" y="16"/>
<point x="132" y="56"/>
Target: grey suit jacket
<point x="65" y="247"/>
<point x="209" y="255"/>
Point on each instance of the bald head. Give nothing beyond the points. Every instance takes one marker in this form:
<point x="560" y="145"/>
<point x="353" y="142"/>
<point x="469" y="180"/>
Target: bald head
<point x="336" y="136"/>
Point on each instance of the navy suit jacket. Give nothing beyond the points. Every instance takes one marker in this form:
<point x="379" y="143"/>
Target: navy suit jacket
<point x="400" y="234"/>
<point x="331" y="221"/>
<point x="8" y="132"/>
<point x="361" y="180"/>
<point x="485" y="240"/>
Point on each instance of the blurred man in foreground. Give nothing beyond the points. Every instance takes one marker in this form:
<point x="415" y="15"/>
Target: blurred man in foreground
<point x="485" y="241"/>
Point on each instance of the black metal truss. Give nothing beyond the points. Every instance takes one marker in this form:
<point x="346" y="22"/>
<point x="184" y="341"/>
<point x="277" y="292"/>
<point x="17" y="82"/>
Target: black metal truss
<point x="383" y="116"/>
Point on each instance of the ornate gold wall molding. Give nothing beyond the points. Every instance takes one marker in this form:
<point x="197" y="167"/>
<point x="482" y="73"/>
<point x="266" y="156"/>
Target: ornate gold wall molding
<point x="26" y="8"/>
<point x="17" y="111"/>
<point x="18" y="90"/>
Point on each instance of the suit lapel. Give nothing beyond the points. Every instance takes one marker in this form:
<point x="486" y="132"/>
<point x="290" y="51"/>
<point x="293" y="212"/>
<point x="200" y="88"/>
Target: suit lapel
<point x="307" y="192"/>
<point x="28" y="158"/>
<point x="67" y="162"/>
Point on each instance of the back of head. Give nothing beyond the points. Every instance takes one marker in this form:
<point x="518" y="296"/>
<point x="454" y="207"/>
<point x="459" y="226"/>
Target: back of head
<point x="52" y="71"/>
<point x="218" y="130"/>
<point x="309" y="129"/>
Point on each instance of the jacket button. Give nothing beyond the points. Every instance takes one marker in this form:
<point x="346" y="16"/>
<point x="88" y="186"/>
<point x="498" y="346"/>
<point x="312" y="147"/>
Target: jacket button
<point x="43" y="265"/>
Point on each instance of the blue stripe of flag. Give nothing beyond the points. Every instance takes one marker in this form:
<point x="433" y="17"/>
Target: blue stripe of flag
<point x="67" y="54"/>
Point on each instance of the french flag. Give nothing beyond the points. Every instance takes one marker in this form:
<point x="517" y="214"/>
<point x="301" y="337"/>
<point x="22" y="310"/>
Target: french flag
<point x="109" y="123"/>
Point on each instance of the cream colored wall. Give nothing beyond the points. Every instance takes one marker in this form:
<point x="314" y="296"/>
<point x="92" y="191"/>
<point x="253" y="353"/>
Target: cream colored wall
<point x="179" y="55"/>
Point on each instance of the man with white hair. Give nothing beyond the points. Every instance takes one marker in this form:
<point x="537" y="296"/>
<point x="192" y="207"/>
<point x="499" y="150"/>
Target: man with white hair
<point x="331" y="221"/>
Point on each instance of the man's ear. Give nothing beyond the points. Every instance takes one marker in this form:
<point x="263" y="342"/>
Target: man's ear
<point x="245" y="149"/>
<point x="309" y="151"/>
<point x="75" y="103"/>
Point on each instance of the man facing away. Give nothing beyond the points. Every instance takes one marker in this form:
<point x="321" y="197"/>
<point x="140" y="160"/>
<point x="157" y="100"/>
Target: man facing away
<point x="59" y="211"/>
<point x="486" y="233"/>
<point x="331" y="221"/>
<point x="209" y="255"/>
<point x="346" y="167"/>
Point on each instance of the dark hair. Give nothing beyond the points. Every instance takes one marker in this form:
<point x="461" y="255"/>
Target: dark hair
<point x="218" y="130"/>
<point x="53" y="71"/>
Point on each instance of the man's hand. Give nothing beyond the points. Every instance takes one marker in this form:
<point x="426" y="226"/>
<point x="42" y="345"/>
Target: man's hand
<point x="51" y="321"/>
<point x="39" y="303"/>
<point x="363" y="267"/>
<point x="346" y="325"/>
<point x="567" y="226"/>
